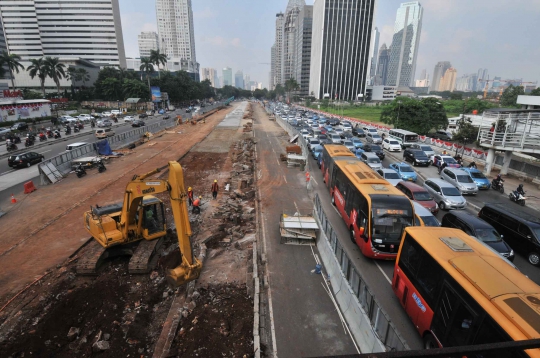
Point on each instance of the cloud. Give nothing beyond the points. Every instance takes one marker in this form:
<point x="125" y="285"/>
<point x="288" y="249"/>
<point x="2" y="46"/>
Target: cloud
<point x="206" y="13"/>
<point x="387" y="33"/>
<point x="220" y="41"/>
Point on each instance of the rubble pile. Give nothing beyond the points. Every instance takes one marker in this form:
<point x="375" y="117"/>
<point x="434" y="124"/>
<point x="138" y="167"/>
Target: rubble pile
<point x="249" y="112"/>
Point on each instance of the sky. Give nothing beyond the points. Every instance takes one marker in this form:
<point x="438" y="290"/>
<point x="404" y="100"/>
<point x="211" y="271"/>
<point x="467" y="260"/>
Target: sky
<point x="500" y="35"/>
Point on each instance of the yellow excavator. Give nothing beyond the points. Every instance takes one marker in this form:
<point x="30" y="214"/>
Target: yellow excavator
<point x="137" y="227"/>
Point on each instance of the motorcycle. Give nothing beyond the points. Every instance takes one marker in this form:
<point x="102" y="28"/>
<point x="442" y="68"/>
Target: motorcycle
<point x="499" y="187"/>
<point x="57" y="134"/>
<point x="101" y="167"/>
<point x="50" y="133"/>
<point x="80" y="171"/>
<point x="14" y="138"/>
<point x="517" y="198"/>
<point x="42" y="137"/>
<point x="10" y="146"/>
<point x="29" y="141"/>
<point x="68" y="130"/>
<point x="80" y="125"/>
<point x="76" y="129"/>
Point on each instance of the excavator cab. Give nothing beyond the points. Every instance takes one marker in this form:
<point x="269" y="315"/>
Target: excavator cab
<point x="152" y="218"/>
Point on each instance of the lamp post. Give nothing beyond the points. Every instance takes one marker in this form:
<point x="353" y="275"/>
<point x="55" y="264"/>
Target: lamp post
<point x="399" y="107"/>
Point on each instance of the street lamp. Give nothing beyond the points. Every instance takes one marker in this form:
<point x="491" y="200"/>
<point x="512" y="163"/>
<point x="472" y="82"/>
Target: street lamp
<point x="399" y="107"/>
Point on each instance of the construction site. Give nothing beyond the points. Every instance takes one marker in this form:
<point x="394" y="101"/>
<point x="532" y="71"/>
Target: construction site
<point x="55" y="302"/>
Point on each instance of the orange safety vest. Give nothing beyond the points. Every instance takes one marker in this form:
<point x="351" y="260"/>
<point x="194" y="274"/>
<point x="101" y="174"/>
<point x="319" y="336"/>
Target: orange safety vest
<point x="196" y="202"/>
<point x="190" y="194"/>
<point x="215" y="187"/>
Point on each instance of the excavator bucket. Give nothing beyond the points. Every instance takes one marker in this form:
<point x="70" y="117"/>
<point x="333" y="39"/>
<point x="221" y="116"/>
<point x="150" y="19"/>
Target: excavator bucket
<point x="184" y="273"/>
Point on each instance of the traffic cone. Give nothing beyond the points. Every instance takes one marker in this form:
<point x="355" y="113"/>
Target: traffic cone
<point x="13" y="200"/>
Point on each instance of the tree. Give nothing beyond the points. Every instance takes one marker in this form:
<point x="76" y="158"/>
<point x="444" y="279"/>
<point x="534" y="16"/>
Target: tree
<point x="2" y="69"/>
<point x="134" y="89"/>
<point x="148" y="68"/>
<point x="83" y="75"/>
<point x="13" y="64"/>
<point x="55" y="70"/>
<point x="112" y="89"/>
<point x="456" y="95"/>
<point x="290" y="86"/>
<point x="535" y="92"/>
<point x="466" y="134"/>
<point x="419" y="116"/>
<point x="510" y="95"/>
<point x="38" y="68"/>
<point x="158" y="58"/>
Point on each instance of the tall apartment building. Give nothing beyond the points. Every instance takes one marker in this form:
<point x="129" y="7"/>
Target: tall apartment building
<point x="303" y="48"/>
<point x="278" y="50"/>
<point x="273" y="64"/>
<point x="405" y="43"/>
<point x="209" y="74"/>
<point x="482" y="78"/>
<point x="438" y="73"/>
<point x="340" y="48"/>
<point x="290" y="30"/>
<point x="227" y="77"/>
<point x="247" y="80"/>
<point x="89" y="29"/>
<point x="239" y="79"/>
<point x="382" y="66"/>
<point x="148" y="41"/>
<point x="448" y="81"/>
<point x="375" y="57"/>
<point x="175" y="28"/>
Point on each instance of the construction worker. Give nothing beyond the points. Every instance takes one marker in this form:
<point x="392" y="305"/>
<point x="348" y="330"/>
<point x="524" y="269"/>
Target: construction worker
<point x="196" y="203"/>
<point x="215" y="188"/>
<point x="190" y="196"/>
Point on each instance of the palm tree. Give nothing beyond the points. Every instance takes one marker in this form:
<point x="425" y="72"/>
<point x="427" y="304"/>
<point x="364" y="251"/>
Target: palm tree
<point x="38" y="68"/>
<point x="55" y="70"/>
<point x="291" y="85"/>
<point x="148" y="68"/>
<point x="13" y="64"/>
<point x="2" y="69"/>
<point x="83" y="75"/>
<point x="158" y="58"/>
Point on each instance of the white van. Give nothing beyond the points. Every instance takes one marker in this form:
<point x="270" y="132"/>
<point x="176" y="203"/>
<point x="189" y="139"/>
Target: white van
<point x="104" y="133"/>
<point x="75" y="145"/>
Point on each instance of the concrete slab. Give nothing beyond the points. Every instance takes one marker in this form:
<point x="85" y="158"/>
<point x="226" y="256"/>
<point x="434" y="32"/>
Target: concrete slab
<point x="233" y="119"/>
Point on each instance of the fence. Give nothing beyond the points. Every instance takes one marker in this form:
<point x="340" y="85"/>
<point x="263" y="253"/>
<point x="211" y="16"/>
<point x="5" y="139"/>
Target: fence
<point x="373" y="323"/>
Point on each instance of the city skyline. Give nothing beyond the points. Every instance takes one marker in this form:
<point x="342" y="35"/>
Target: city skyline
<point x="448" y="34"/>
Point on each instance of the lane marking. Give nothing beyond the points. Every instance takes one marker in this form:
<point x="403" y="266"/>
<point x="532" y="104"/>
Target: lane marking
<point x="384" y="273"/>
<point x="10" y="171"/>
<point x="45" y="151"/>
<point x="284" y="178"/>
<point x="296" y="206"/>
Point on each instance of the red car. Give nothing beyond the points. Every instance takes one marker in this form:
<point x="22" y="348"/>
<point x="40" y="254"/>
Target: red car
<point x="437" y="160"/>
<point x="419" y="194"/>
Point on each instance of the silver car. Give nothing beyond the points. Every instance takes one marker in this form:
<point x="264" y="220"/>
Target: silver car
<point x="445" y="194"/>
<point x="371" y="159"/>
<point x="373" y="138"/>
<point x="390" y="175"/>
<point x="460" y="179"/>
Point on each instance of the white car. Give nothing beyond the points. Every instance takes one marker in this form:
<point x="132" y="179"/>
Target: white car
<point x="85" y="117"/>
<point x="129" y="119"/>
<point x="312" y="142"/>
<point x="391" y="145"/>
<point x="346" y="126"/>
<point x="304" y="133"/>
<point x="116" y="112"/>
<point x="106" y="114"/>
<point x="390" y="175"/>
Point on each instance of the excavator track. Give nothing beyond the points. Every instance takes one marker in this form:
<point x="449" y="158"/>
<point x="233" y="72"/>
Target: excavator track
<point x="144" y="258"/>
<point x="95" y="254"/>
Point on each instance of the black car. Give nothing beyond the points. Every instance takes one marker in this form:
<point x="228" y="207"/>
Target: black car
<point x="333" y="122"/>
<point x="25" y="159"/>
<point x="19" y="126"/>
<point x="359" y="132"/>
<point x="375" y="148"/>
<point x="416" y="157"/>
<point x="143" y="115"/>
<point x="520" y="227"/>
<point x="346" y="135"/>
<point x="479" y="229"/>
<point x="188" y="110"/>
<point x="138" y="123"/>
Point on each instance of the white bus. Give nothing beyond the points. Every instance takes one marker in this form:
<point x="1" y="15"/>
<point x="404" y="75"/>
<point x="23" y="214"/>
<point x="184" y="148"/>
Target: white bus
<point x="405" y="138"/>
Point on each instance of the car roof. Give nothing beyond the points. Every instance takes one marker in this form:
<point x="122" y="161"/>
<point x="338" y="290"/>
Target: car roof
<point x="370" y="154"/>
<point x="440" y="182"/>
<point x="401" y="164"/>
<point x="420" y="210"/>
<point x="415" y="150"/>
<point x="523" y="214"/>
<point x="456" y="170"/>
<point x="470" y="219"/>
<point x="445" y="156"/>
<point x="412" y="186"/>
<point x="387" y="170"/>
<point x="471" y="170"/>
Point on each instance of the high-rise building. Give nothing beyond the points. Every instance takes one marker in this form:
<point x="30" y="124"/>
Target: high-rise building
<point x="278" y="50"/>
<point x="438" y="73"/>
<point x="448" y="81"/>
<point x="209" y="74"/>
<point x="340" y="48"/>
<point x="303" y="48"/>
<point x="273" y="64"/>
<point x="148" y="41"/>
<point x="405" y="43"/>
<point x="375" y="57"/>
<point x="290" y="30"/>
<point x="89" y="29"/>
<point x="239" y="79"/>
<point x="246" y="81"/>
<point x="382" y="66"/>
<point x="482" y="78"/>
<point x="175" y="28"/>
<point x="227" y="77"/>
<point x="217" y="80"/>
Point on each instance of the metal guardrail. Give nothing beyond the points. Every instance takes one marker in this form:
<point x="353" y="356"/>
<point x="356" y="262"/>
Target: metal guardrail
<point x="380" y="322"/>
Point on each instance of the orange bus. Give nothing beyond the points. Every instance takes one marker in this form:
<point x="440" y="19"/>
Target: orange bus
<point x="459" y="292"/>
<point x="373" y="209"/>
<point x="331" y="153"/>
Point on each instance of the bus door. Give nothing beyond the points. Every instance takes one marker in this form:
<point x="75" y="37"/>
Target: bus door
<point x="349" y="204"/>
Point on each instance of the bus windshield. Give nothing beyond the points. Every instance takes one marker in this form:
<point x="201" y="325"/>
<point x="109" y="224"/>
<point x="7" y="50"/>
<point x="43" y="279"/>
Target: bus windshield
<point x="391" y="214"/>
<point x="411" y="138"/>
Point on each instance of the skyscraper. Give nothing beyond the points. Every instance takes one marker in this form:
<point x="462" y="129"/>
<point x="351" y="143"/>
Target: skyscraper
<point x="239" y="79"/>
<point x="375" y="57"/>
<point x="278" y="50"/>
<point x="247" y="80"/>
<point x="482" y="79"/>
<point x="175" y="28"/>
<point x="448" y="81"/>
<point x="382" y="66"/>
<point x="405" y="43"/>
<point x="438" y="73"/>
<point x="147" y="41"/>
<point x="210" y="75"/>
<point x="290" y="30"/>
<point x="340" y="48"/>
<point x="273" y="64"/>
<point x="303" y="48"/>
<point x="227" y="77"/>
<point x="90" y="29"/>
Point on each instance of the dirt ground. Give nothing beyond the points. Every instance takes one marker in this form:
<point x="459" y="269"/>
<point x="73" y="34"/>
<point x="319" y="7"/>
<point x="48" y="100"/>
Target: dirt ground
<point x="116" y="314"/>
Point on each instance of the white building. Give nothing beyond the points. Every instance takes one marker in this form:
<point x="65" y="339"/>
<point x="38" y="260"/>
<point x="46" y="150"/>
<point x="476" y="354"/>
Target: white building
<point x="209" y="74"/>
<point x="148" y="41"/>
<point x="278" y="50"/>
<point x="175" y="28"/>
<point x="89" y="29"/>
<point x="173" y="65"/>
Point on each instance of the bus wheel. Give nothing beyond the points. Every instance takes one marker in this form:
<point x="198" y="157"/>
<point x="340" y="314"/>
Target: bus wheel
<point x="333" y="200"/>
<point x="352" y="236"/>
<point x="430" y="342"/>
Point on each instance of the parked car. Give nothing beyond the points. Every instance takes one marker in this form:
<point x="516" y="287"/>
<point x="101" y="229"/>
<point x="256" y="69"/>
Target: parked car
<point x="19" y="126"/>
<point x="441" y="134"/>
<point x="357" y="143"/>
<point x="346" y="126"/>
<point x="460" y="179"/>
<point x="479" y="229"/>
<point x="359" y="132"/>
<point x="350" y="146"/>
<point x="24" y="160"/>
<point x="374" y="148"/>
<point x="478" y="177"/>
<point x="4" y="131"/>
<point x="437" y="161"/>
<point x="519" y="227"/>
<point x="416" y="157"/>
<point x="423" y="147"/>
<point x="129" y="119"/>
<point x="358" y="153"/>
<point x="374" y="138"/>
<point x="445" y="194"/>
<point x="405" y="171"/>
<point x="390" y="175"/>
<point x="391" y="145"/>
<point x="418" y="194"/>
<point x="424" y="217"/>
<point x="371" y="159"/>
<point x="138" y="123"/>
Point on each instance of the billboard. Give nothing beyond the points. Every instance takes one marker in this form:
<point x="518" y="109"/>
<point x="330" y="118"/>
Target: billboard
<point x="156" y="94"/>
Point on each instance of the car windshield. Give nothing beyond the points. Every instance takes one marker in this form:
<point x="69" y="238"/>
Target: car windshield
<point x="393" y="175"/>
<point x="391" y="214"/>
<point x="464" y="179"/>
<point x="314" y="141"/>
<point x="375" y="136"/>
<point x="430" y="221"/>
<point x="488" y="235"/>
<point x="322" y="136"/>
<point x="406" y="169"/>
<point x="394" y="142"/>
<point x="376" y="148"/>
<point x="422" y="196"/>
<point x="451" y="191"/>
<point x="373" y="160"/>
<point x="426" y="148"/>
<point x="449" y="160"/>
<point x="478" y="175"/>
<point x="536" y="231"/>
